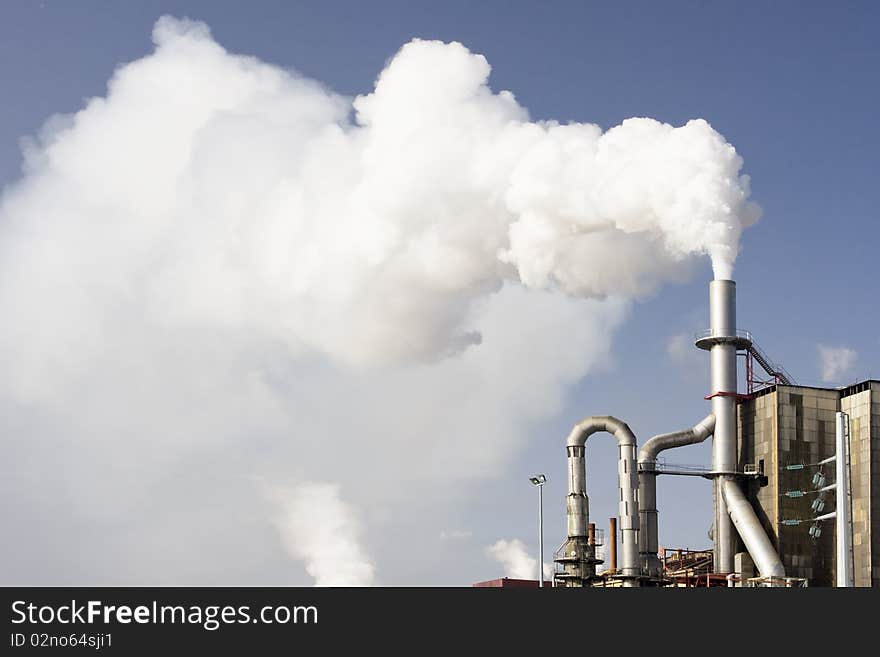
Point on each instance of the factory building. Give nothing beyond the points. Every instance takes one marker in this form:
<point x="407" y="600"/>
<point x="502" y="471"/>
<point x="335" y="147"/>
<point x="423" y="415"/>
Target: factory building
<point x="795" y="472"/>
<point x="776" y="518"/>
<point x="784" y="426"/>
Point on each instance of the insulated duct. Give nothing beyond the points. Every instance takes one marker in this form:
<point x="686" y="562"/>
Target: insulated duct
<point x="648" y="535"/>
<point x="750" y="530"/>
<point x="627" y="473"/>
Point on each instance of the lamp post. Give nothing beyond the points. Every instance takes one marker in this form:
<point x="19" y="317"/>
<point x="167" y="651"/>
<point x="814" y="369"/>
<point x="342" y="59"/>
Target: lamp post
<point x="539" y="481"/>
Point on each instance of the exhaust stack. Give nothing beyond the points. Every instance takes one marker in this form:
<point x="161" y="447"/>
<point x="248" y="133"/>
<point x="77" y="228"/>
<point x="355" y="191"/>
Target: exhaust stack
<point x="722" y="341"/>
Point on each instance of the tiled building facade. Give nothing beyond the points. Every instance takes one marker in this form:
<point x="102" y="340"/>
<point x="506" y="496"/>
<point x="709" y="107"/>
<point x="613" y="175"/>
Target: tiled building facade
<point x="784" y="425"/>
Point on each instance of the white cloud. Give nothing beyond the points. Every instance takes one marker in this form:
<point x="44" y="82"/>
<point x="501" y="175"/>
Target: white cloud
<point x="835" y="362"/>
<point x="319" y="528"/>
<point x="515" y="559"/>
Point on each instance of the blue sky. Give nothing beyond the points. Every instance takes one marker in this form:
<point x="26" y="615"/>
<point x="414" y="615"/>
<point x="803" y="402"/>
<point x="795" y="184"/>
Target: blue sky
<point x="793" y="85"/>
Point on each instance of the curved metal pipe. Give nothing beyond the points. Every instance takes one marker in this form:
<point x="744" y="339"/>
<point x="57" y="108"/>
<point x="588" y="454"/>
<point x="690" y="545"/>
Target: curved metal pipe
<point x="697" y="433"/>
<point x="750" y="530"/>
<point x="627" y="476"/>
<point x="648" y="536"/>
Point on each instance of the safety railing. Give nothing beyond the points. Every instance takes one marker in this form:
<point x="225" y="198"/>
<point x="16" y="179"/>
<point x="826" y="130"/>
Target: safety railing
<point x="712" y="333"/>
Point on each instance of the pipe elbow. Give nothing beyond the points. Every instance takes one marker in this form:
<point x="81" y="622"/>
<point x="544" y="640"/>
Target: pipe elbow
<point x="578" y="436"/>
<point x="696" y="434"/>
<point x="705" y="427"/>
<point x="597" y="423"/>
<point x="619" y="429"/>
<point x="649" y="451"/>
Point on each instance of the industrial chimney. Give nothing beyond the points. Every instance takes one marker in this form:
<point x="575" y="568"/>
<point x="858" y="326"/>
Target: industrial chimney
<point x="732" y="509"/>
<point x="722" y="341"/>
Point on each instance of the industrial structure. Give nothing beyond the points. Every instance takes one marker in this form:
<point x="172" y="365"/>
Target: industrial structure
<point x="787" y="430"/>
<point x="772" y="447"/>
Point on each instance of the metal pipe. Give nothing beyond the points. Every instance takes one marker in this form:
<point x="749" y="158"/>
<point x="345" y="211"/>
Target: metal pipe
<point x="844" y="564"/>
<point x="592" y="534"/>
<point x="648" y="534"/>
<point x="578" y="504"/>
<point x="750" y="530"/>
<point x="722" y="355"/>
<point x="722" y="342"/>
<point x="627" y="476"/>
<point x="576" y="559"/>
<point x="612" y="546"/>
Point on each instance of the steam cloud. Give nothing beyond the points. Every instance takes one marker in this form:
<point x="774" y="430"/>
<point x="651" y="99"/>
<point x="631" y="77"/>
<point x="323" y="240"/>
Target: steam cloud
<point x="515" y="560"/>
<point x="835" y="362"/>
<point x="222" y="270"/>
<point x="319" y="528"/>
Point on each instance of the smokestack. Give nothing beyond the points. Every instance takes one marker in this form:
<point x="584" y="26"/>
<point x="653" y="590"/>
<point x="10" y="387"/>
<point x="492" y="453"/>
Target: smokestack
<point x="612" y="545"/>
<point x="722" y="342"/>
<point x="733" y="512"/>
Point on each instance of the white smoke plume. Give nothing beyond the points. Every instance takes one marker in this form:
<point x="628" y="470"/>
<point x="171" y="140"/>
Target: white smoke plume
<point x="681" y="352"/>
<point x="319" y="528"/>
<point x="835" y="362"/>
<point x="223" y="271"/>
<point x="515" y="559"/>
<point x="231" y="193"/>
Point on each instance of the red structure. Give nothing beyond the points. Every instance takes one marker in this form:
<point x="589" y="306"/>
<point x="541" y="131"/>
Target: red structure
<point x="690" y="568"/>
<point x="508" y="583"/>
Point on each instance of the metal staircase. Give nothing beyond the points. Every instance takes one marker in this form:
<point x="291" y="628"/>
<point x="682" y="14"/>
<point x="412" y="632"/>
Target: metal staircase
<point x="777" y="373"/>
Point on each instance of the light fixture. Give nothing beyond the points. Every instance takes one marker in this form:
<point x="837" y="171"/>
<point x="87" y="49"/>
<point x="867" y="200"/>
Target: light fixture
<point x="539" y="481"/>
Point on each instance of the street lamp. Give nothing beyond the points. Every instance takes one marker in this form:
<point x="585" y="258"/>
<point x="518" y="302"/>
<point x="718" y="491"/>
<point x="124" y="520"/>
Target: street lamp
<point x="539" y="481"/>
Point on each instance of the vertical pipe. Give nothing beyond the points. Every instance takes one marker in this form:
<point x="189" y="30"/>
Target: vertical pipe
<point x="612" y="546"/>
<point x="844" y="563"/>
<point x="592" y="534"/>
<point x="578" y="504"/>
<point x="575" y="561"/>
<point x="541" y="535"/>
<point x="628" y="476"/>
<point x="648" y="536"/>
<point x="722" y="354"/>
